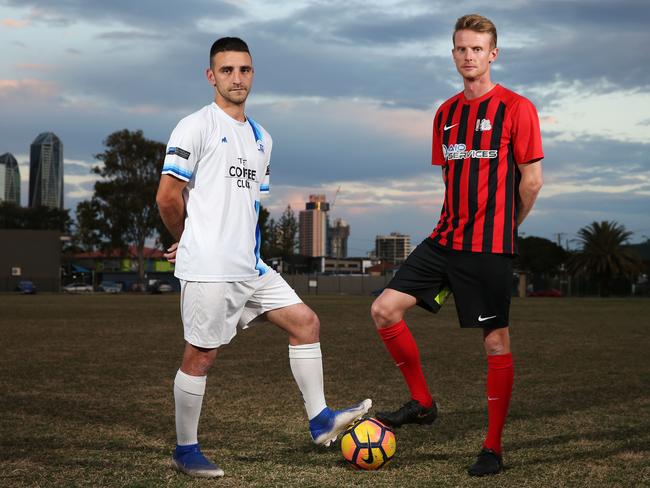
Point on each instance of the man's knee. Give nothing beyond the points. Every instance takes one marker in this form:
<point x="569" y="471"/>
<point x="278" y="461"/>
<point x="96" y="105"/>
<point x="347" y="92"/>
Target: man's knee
<point x="311" y="320"/>
<point x="383" y="314"/>
<point x="305" y="325"/>
<point x="496" y="341"/>
<point x="198" y="361"/>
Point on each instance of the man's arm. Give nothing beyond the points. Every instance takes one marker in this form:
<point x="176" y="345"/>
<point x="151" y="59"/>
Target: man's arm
<point x="529" y="186"/>
<point x="171" y="205"/>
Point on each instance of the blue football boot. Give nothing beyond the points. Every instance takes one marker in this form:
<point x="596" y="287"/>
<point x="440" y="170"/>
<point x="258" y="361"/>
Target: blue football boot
<point x="328" y="424"/>
<point x="190" y="460"/>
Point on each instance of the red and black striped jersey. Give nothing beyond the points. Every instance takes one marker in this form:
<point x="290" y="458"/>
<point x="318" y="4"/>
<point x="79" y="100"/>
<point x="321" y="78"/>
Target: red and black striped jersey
<point x="479" y="144"/>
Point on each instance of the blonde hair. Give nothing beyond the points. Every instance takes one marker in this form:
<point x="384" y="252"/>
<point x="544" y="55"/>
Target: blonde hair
<point x="476" y="23"/>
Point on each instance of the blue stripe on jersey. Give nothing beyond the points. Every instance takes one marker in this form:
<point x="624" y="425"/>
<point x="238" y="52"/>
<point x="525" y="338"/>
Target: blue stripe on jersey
<point x="256" y="130"/>
<point x="177" y="171"/>
<point x="259" y="265"/>
<point x="264" y="187"/>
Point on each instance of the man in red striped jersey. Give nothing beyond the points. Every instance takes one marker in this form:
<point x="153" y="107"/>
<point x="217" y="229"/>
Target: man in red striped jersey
<point x="487" y="141"/>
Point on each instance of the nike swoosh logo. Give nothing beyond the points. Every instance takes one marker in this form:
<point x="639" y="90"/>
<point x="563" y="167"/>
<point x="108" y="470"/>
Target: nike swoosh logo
<point x="371" y="456"/>
<point x="493" y="398"/>
<point x="450" y="126"/>
<point x="483" y="319"/>
<point x="399" y="364"/>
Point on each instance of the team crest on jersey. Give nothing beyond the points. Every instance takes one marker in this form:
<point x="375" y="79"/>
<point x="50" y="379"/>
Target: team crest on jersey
<point x="483" y="124"/>
<point x="260" y="146"/>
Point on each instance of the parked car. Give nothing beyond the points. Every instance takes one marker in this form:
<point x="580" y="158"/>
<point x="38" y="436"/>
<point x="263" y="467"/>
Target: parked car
<point x="159" y="286"/>
<point x="77" y="288"/>
<point x="109" y="287"/>
<point x="26" y="287"/>
<point x="165" y="287"/>
<point x="137" y="286"/>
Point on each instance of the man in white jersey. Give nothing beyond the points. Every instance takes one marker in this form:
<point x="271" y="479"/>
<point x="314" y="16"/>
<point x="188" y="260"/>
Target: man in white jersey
<point x="216" y="168"/>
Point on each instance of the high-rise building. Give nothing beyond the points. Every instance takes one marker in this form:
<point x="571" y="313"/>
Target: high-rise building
<point x="9" y="179"/>
<point x="46" y="171"/>
<point x="337" y="239"/>
<point x="313" y="226"/>
<point x="393" y="248"/>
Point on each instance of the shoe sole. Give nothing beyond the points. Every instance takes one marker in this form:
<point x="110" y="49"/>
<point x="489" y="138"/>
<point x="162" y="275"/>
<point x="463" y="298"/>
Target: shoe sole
<point x="384" y="420"/>
<point x="397" y="426"/>
<point x="342" y="421"/>
<point x="198" y="473"/>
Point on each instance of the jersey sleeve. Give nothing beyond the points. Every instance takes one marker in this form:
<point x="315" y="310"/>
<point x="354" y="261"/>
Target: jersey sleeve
<point x="265" y="183"/>
<point x="183" y="150"/>
<point x="437" y="154"/>
<point x="526" y="134"/>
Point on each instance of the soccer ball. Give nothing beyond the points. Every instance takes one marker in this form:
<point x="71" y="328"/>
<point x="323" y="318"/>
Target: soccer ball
<point x="368" y="444"/>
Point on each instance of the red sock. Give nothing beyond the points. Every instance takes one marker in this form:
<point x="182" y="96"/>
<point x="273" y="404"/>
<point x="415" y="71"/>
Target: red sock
<point x="500" y="378"/>
<point x="405" y="353"/>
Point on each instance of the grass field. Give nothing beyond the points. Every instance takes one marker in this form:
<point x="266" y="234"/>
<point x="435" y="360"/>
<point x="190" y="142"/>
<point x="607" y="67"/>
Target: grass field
<point x="86" y="398"/>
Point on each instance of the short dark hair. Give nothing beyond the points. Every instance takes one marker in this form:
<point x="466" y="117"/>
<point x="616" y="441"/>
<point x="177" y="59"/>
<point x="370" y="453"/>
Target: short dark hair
<point x="476" y="23"/>
<point x="228" y="44"/>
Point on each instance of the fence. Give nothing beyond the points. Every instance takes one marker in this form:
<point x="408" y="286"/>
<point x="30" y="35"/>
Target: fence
<point x="336" y="284"/>
<point x="579" y="286"/>
<point x="313" y="284"/>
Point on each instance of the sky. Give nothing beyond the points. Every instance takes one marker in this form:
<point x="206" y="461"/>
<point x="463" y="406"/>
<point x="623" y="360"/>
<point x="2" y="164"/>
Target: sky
<point x="348" y="90"/>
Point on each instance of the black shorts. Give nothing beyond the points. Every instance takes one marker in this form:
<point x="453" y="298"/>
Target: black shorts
<point x="481" y="283"/>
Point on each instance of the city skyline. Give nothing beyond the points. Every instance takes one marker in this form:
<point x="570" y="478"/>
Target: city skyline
<point x="313" y="226"/>
<point x="348" y="92"/>
<point x="393" y="248"/>
<point x="46" y="167"/>
<point x="9" y="179"/>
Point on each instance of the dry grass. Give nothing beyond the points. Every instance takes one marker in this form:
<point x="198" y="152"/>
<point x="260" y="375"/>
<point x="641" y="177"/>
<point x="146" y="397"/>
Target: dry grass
<point x="86" y="396"/>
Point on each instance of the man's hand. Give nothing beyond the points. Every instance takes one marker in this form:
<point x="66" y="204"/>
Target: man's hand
<point x="170" y="255"/>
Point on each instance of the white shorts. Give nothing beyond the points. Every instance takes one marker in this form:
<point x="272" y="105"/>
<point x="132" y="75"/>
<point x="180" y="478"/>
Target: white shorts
<point x="211" y="311"/>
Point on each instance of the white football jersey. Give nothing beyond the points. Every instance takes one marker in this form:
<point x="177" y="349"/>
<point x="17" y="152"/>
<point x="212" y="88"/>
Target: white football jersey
<point x="226" y="165"/>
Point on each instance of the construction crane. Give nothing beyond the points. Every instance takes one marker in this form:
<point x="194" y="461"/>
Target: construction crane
<point x="336" y="194"/>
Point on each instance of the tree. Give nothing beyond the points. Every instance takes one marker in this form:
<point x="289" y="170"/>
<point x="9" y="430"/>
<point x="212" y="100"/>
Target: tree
<point x="123" y="211"/>
<point x="287" y="232"/>
<point x="90" y="228"/>
<point x="267" y="228"/>
<point x="602" y="255"/>
<point x="40" y="218"/>
<point x="539" y="255"/>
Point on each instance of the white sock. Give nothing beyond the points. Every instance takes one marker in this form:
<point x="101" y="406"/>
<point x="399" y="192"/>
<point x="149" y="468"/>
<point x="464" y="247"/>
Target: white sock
<point x="307" y="368"/>
<point x="188" y="397"/>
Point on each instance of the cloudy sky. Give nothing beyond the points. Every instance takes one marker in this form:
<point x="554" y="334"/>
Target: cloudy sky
<point x="347" y="89"/>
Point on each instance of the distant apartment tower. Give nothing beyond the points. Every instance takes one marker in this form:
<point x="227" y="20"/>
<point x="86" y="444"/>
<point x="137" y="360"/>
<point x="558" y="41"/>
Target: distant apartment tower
<point x="9" y="179"/>
<point x="46" y="171"/>
<point x="313" y="226"/>
<point x="393" y="248"/>
<point x="337" y="239"/>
